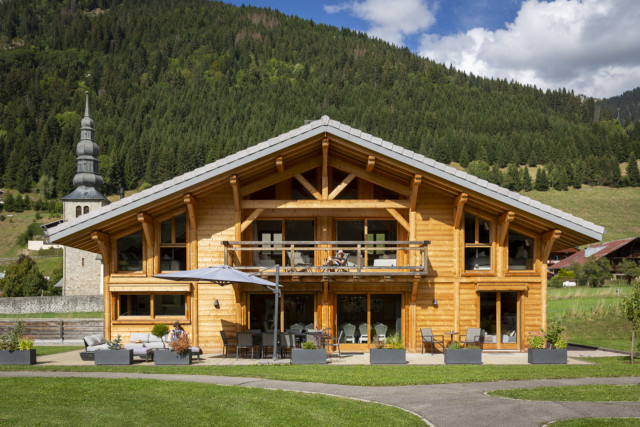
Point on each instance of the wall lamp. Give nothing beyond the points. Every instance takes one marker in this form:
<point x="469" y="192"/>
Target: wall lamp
<point x="435" y="302"/>
<point x="216" y="303"/>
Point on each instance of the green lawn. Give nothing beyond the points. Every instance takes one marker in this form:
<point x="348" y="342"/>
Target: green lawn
<point x="582" y="393"/>
<point x="53" y="349"/>
<point x="616" y="209"/>
<point x="592" y="316"/>
<point x="81" y="401"/>
<point x="378" y="375"/>
<point x="14" y="225"/>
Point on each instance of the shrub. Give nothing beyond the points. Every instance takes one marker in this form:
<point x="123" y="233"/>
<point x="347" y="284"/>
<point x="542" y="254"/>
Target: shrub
<point x="116" y="344"/>
<point x="11" y="340"/>
<point x="309" y="345"/>
<point x="536" y="340"/>
<point x="25" y="343"/>
<point x="454" y="345"/>
<point x="394" y="342"/>
<point x="160" y="330"/>
<point x="181" y="344"/>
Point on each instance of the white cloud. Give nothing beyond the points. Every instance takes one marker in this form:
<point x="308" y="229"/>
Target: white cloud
<point x="390" y="20"/>
<point x="590" y="46"/>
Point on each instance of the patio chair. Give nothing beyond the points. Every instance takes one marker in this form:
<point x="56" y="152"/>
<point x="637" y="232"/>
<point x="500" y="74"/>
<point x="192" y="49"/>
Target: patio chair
<point x="297" y="327"/>
<point x="381" y="332"/>
<point x="474" y="336"/>
<point x="299" y="263"/>
<point x="226" y="342"/>
<point x="335" y="342"/>
<point x="244" y="341"/>
<point x="364" y="333"/>
<point x="309" y="326"/>
<point x="287" y="342"/>
<point x="267" y="342"/>
<point x="349" y="333"/>
<point x="429" y="338"/>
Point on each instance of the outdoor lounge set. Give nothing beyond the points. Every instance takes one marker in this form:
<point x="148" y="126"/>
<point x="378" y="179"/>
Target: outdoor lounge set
<point x="142" y="344"/>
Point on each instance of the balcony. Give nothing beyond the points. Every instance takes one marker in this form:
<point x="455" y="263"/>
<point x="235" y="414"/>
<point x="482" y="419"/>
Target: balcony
<point x="309" y="258"/>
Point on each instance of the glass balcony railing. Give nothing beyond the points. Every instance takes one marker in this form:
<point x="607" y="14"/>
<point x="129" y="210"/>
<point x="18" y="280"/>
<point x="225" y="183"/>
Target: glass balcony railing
<point x="383" y="258"/>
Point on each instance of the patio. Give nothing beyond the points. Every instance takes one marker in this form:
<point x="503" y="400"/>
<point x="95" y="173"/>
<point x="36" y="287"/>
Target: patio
<point x="72" y="358"/>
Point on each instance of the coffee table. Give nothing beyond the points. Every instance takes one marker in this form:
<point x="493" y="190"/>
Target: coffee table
<point x="145" y="352"/>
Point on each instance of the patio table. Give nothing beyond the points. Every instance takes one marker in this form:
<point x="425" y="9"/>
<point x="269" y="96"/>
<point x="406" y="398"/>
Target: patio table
<point x="143" y="352"/>
<point x="452" y="333"/>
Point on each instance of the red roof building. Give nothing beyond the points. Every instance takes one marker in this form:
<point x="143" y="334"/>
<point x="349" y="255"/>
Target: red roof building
<point x="614" y="251"/>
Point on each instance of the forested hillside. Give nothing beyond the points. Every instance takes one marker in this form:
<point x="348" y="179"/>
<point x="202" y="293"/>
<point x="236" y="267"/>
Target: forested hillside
<point x="625" y="107"/>
<point x="177" y="84"/>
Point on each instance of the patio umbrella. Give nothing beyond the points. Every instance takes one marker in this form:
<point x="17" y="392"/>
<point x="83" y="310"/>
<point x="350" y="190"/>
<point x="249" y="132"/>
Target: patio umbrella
<point x="226" y="275"/>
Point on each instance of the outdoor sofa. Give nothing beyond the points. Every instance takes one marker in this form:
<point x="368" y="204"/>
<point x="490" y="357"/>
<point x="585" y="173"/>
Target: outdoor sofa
<point x="148" y="340"/>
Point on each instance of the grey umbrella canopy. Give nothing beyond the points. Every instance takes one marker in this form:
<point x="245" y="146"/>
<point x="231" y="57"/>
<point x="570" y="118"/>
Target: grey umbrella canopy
<point x="226" y="275"/>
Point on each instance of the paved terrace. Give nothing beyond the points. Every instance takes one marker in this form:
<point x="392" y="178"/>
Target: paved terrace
<point x="72" y="358"/>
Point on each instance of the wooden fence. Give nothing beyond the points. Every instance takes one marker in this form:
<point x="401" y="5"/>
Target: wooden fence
<point x="57" y="329"/>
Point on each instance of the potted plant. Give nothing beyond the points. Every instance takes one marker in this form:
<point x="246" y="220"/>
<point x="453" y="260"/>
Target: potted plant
<point x="555" y="352"/>
<point x="115" y="355"/>
<point x="16" y="347"/>
<point x="179" y="353"/>
<point x="388" y="352"/>
<point x="159" y="331"/>
<point x="455" y="354"/>
<point x="309" y="354"/>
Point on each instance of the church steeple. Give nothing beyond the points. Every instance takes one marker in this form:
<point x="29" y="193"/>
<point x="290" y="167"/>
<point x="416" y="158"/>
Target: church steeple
<point x="87" y="179"/>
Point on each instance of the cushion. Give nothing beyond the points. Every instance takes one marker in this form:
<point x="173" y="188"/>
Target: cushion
<point x="97" y="347"/>
<point x="101" y="339"/>
<point x="91" y="340"/>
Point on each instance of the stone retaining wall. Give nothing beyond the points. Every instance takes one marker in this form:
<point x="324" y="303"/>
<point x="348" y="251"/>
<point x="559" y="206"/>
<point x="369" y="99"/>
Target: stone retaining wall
<point x="53" y="304"/>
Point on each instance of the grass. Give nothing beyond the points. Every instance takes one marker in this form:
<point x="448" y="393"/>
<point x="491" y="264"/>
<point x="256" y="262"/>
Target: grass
<point x="614" y="208"/>
<point x="64" y="401"/>
<point x="91" y="315"/>
<point x="53" y="349"/>
<point x="582" y="393"/>
<point x="15" y="224"/>
<point x="592" y="316"/>
<point x="590" y="422"/>
<point x="366" y="375"/>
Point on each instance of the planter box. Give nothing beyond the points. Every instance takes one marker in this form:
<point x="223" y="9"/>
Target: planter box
<point x="544" y="356"/>
<point x="462" y="356"/>
<point x="301" y="356"/>
<point x="113" y="357"/>
<point x="387" y="356"/>
<point x="18" y="357"/>
<point x="168" y="357"/>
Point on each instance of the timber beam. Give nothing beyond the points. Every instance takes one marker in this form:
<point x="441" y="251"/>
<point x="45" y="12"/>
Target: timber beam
<point x="308" y="186"/>
<point x="289" y="172"/>
<point x="503" y="221"/>
<point x="247" y="222"/>
<point x="147" y="227"/>
<point x="548" y="239"/>
<point x="336" y="191"/>
<point x="104" y="245"/>
<point x="415" y="185"/>
<point x="388" y="183"/>
<point x="458" y="204"/>
<point x="398" y="217"/>
<point x="325" y="169"/>
<point x="325" y="204"/>
<point x="371" y="164"/>
<point x="279" y="164"/>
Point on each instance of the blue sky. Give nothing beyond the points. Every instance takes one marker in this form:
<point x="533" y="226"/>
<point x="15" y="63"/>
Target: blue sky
<point x="589" y="46"/>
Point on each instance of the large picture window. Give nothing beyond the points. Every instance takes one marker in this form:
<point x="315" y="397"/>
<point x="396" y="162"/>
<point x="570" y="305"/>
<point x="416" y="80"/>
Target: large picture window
<point x="272" y="231"/>
<point x="130" y="252"/>
<point x="152" y="305"/>
<point x="173" y="244"/>
<point x="373" y="230"/>
<point x="477" y="243"/>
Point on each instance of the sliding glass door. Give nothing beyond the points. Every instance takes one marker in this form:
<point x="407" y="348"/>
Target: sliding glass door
<point x="499" y="319"/>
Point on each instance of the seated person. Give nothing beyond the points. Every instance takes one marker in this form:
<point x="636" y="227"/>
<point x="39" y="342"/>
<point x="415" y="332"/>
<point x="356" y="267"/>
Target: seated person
<point x="177" y="332"/>
<point x="339" y="260"/>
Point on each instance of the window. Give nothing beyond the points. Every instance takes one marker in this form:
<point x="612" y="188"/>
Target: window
<point x="130" y="252"/>
<point x="298" y="192"/>
<point x="370" y="230"/>
<point x="163" y="305"/>
<point x="520" y="251"/>
<point x="272" y="231"/>
<point x="173" y="244"/>
<point x="477" y="243"/>
<point x="86" y="210"/>
<point x="78" y="211"/>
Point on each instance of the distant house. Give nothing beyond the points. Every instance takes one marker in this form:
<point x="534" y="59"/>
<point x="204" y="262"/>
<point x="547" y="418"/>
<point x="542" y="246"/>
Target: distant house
<point x="557" y="256"/>
<point x="614" y="251"/>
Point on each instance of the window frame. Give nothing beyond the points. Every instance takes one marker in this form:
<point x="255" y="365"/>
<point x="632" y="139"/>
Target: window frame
<point x="114" y="253"/>
<point x="159" y="245"/>
<point x="534" y="257"/>
<point x="152" y="318"/>
<point x="491" y="245"/>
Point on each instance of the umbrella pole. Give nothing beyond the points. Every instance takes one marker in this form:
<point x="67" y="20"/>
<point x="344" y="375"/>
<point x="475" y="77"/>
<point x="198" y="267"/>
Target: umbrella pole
<point x="276" y="330"/>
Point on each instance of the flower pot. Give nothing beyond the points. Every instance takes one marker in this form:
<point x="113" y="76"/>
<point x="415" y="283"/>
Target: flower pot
<point x="300" y="356"/>
<point x="113" y="357"/>
<point x="543" y="356"/>
<point x="18" y="357"/>
<point x="387" y="356"/>
<point x="169" y="357"/>
<point x="462" y="356"/>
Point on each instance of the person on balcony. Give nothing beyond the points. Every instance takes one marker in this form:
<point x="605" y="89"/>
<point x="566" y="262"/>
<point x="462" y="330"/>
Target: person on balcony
<point x="339" y="260"/>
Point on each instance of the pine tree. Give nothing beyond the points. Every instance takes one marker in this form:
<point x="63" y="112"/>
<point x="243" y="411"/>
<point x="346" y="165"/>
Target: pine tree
<point x="633" y="175"/>
<point x="542" y="183"/>
<point x="526" y="180"/>
<point x="562" y="182"/>
<point x="513" y="179"/>
<point x="495" y="175"/>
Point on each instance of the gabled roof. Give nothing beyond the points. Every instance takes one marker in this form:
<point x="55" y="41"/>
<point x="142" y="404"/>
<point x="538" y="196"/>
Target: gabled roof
<point x="375" y="145"/>
<point x="595" y="252"/>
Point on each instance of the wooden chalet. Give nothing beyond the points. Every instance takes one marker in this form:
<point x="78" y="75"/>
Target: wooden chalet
<point x="427" y="245"/>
